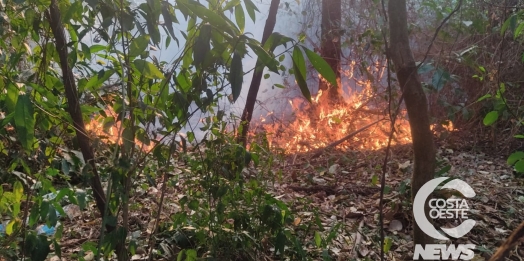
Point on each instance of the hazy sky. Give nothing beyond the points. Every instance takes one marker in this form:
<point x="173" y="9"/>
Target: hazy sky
<point x="272" y="98"/>
<point x="286" y="24"/>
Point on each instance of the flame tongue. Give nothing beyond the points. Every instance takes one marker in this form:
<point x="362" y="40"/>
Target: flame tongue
<point x="317" y="125"/>
<point x="312" y="126"/>
<point x="111" y="133"/>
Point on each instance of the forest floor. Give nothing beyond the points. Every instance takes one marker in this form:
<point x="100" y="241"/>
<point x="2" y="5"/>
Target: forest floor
<point x="342" y="189"/>
<point x="346" y="187"/>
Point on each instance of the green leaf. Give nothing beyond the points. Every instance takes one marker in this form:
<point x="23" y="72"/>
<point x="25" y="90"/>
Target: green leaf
<point x="374" y="180"/>
<point x="148" y="69"/>
<point x="56" y="245"/>
<point x="142" y="136"/>
<point x="501" y="90"/>
<point x="39" y="249"/>
<point x="321" y="66"/>
<point x="128" y="139"/>
<point x="280" y="243"/>
<point x="11" y="98"/>
<point x="168" y="21"/>
<point x="484" y="97"/>
<point x="264" y="56"/>
<point x="426" y="67"/>
<point x="388" y="242"/>
<point x="81" y="198"/>
<point x="44" y="208"/>
<point x="519" y="166"/>
<point x="231" y="4"/>
<point x="24" y="122"/>
<point x="52" y="217"/>
<point x="240" y="17"/>
<point x="152" y="21"/>
<point x="514" y="157"/>
<point x="99" y="79"/>
<point x="188" y="58"/>
<point x="18" y="191"/>
<point x="201" y="47"/>
<point x="193" y="204"/>
<point x="97" y="48"/>
<point x="138" y="45"/>
<point x="318" y="239"/>
<point x="9" y="229"/>
<point x="191" y="255"/>
<point x="127" y="20"/>
<point x="440" y="78"/>
<point x="86" y="50"/>
<point x="491" y="118"/>
<point x="509" y="22"/>
<point x="519" y="136"/>
<point x="168" y="41"/>
<point x="274" y="40"/>
<point x="280" y="86"/>
<point x="210" y="16"/>
<point x="251" y="8"/>
<point x="299" y="67"/>
<point x="236" y="76"/>
<point x="505" y="26"/>
<point x="518" y="31"/>
<point x="482" y="69"/>
<point x="298" y="58"/>
<point x="190" y="136"/>
<point x="333" y="233"/>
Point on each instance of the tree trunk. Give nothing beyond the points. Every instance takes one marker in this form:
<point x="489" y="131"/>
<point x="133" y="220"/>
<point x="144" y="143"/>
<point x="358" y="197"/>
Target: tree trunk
<point x="74" y="110"/>
<point x="73" y="106"/>
<point x="330" y="48"/>
<point x="416" y="104"/>
<point x="247" y="114"/>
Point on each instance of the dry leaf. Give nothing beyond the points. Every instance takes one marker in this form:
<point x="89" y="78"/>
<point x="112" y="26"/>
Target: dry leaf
<point x="297" y="221"/>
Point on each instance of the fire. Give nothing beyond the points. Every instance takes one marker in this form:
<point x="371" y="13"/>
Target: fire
<point x="447" y="126"/>
<point x="317" y="125"/>
<point x="313" y="126"/>
<point x="111" y="133"/>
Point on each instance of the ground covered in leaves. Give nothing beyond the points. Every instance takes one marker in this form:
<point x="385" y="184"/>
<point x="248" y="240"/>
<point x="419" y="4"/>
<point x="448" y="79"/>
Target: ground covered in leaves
<point x="345" y="187"/>
<point x="338" y="195"/>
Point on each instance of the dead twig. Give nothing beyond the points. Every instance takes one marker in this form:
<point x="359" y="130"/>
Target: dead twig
<point x="347" y="137"/>
<point x="358" y="239"/>
<point x="508" y="245"/>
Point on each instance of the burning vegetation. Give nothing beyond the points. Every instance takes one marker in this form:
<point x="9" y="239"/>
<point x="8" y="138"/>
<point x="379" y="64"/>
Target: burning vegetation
<point x="360" y="122"/>
<point x="309" y="127"/>
<point x="107" y="130"/>
<point x="316" y="125"/>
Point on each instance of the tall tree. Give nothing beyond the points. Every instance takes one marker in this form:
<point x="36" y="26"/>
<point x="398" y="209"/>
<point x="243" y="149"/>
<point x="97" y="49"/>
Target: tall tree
<point x="247" y="114"/>
<point x="73" y="107"/>
<point x="416" y="105"/>
<point x="330" y="47"/>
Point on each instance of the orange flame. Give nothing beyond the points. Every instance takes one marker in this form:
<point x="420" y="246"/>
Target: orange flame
<point x="318" y="125"/>
<point x="112" y="133"/>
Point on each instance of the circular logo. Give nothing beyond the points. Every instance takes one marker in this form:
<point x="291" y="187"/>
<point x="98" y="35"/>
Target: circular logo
<point x="422" y="196"/>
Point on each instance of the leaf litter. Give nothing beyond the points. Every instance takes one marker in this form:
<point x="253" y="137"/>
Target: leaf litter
<point x="340" y="190"/>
